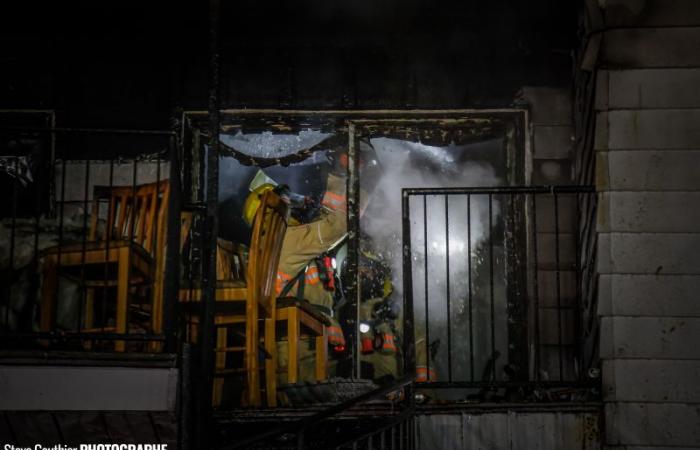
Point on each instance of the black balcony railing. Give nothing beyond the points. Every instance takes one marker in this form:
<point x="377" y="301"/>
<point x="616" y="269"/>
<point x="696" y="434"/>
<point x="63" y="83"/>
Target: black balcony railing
<point x="492" y="285"/>
<point x="84" y="257"/>
<point x="396" y="430"/>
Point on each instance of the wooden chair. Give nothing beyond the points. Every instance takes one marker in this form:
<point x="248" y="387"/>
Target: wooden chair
<point x="264" y="256"/>
<point x="241" y="302"/>
<point x="257" y="294"/>
<point x="123" y="256"/>
<point x="294" y="313"/>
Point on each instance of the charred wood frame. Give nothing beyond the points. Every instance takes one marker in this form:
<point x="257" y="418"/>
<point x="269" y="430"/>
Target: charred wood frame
<point x="431" y="127"/>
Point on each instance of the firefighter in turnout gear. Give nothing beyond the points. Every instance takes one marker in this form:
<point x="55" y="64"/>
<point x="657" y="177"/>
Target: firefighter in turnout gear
<point x="379" y="321"/>
<point x="304" y="260"/>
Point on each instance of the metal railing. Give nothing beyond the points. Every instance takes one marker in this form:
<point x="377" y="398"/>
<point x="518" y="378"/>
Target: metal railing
<point x="494" y="274"/>
<point x="61" y="223"/>
<point x="398" y="433"/>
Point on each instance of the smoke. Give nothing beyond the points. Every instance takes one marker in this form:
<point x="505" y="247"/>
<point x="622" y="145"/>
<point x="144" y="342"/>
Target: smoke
<point x="455" y="239"/>
<point x="398" y="164"/>
<point x="406" y="164"/>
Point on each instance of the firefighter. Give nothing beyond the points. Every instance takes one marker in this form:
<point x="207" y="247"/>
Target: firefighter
<point x="379" y="319"/>
<point x="379" y="339"/>
<point x="306" y="269"/>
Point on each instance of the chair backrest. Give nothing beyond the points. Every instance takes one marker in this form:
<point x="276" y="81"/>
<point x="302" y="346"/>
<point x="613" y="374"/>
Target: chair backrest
<point x="230" y="261"/>
<point x="269" y="227"/>
<point x="137" y="213"/>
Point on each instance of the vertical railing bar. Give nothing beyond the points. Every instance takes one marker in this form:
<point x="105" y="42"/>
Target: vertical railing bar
<point x="558" y="268"/>
<point x="108" y="240"/>
<point x="416" y="431"/>
<point x="536" y="291"/>
<point x="37" y="219"/>
<point x="382" y="440"/>
<point x="353" y="244"/>
<point x="300" y="439"/>
<point x="157" y="204"/>
<point x="408" y="433"/>
<point x="425" y="268"/>
<point x="577" y="274"/>
<point x="12" y="236"/>
<point x="132" y="223"/>
<point x="392" y="436"/>
<point x="491" y="287"/>
<point x="132" y="213"/>
<point x="447" y="270"/>
<point x="171" y="278"/>
<point x="202" y="246"/>
<point x="83" y="290"/>
<point x="190" y="269"/>
<point x="207" y="330"/>
<point x="14" y="215"/>
<point x="401" y="435"/>
<point x="59" y="251"/>
<point x="408" y="325"/>
<point x="154" y="244"/>
<point x="469" y="287"/>
<point x="370" y="442"/>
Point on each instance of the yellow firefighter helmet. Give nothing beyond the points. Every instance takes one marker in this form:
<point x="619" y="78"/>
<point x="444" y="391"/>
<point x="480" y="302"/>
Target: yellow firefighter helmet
<point x="252" y="202"/>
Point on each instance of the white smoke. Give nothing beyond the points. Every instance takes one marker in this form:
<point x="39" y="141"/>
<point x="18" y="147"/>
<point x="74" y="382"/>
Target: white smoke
<point x="382" y="220"/>
<point x="406" y="164"/>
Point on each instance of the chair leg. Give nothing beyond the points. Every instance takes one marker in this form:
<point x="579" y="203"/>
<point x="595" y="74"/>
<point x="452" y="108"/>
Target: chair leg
<point x="89" y="308"/>
<point x="89" y="315"/>
<point x="48" y="295"/>
<point x="193" y="330"/>
<point x="271" y="363"/>
<point x="322" y="356"/>
<point x="293" y="330"/>
<point x="252" y="355"/>
<point x="221" y="343"/>
<point x="122" y="297"/>
<point x="156" y="314"/>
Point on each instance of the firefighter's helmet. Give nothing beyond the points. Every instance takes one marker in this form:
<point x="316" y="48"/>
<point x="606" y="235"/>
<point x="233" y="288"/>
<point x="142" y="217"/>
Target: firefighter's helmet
<point x="252" y="202"/>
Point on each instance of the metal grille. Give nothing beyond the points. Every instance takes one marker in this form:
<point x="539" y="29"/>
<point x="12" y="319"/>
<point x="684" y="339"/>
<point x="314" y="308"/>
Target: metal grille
<point x="492" y="285"/>
<point x="59" y="256"/>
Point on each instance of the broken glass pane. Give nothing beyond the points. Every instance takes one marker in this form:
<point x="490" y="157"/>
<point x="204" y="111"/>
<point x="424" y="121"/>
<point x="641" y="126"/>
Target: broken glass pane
<point x="273" y="145"/>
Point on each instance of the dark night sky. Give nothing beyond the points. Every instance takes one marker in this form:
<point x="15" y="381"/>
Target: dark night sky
<point x="130" y="63"/>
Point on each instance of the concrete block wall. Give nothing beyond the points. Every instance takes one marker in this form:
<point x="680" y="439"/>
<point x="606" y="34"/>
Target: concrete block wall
<point x="648" y="176"/>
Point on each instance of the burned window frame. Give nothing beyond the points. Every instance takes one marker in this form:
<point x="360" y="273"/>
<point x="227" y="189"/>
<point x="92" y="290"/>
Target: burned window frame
<point x="432" y="127"/>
